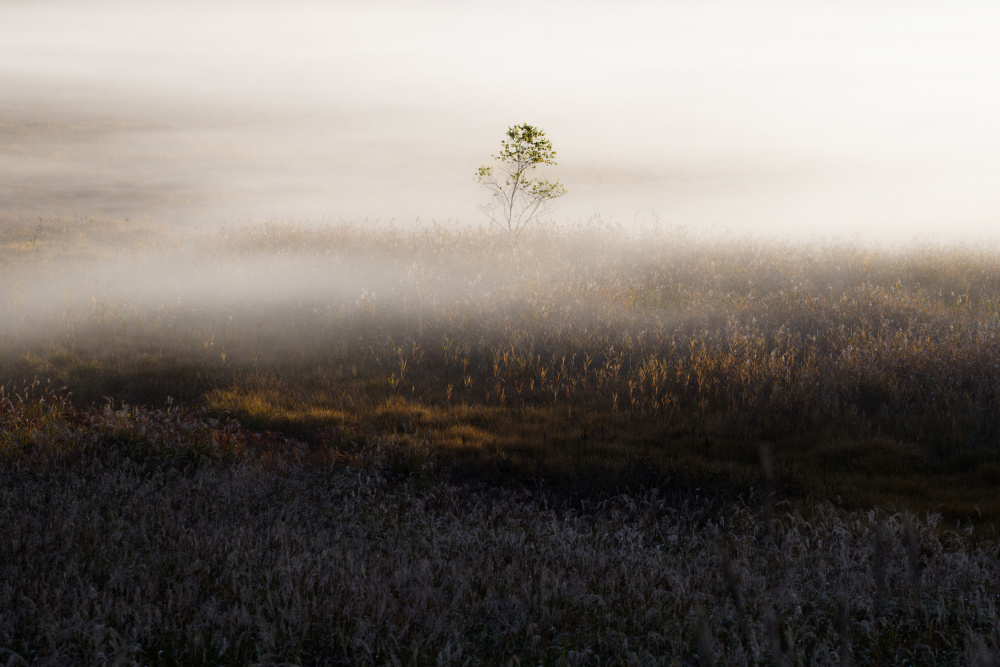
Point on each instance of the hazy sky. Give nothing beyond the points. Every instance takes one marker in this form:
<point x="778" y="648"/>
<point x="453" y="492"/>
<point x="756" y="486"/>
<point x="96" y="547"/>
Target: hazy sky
<point x="881" y="119"/>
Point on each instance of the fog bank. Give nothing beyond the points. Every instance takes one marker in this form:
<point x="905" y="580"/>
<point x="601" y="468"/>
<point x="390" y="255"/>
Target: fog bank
<point x="776" y="118"/>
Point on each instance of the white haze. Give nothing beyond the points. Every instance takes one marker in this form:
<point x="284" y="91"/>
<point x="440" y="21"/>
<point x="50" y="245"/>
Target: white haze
<point x="874" y="119"/>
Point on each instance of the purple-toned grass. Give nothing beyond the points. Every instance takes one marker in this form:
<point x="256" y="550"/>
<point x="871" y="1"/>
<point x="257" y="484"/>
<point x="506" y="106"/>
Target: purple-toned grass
<point x="133" y="536"/>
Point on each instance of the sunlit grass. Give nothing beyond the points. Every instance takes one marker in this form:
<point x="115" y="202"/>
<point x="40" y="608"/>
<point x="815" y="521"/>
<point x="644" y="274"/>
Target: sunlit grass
<point x="583" y="349"/>
<point x="430" y="403"/>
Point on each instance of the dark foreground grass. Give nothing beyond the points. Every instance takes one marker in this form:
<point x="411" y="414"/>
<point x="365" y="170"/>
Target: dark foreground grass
<point x="425" y="446"/>
<point x="165" y="537"/>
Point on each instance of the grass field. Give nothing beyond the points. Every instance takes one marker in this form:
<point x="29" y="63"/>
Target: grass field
<point x="342" y="443"/>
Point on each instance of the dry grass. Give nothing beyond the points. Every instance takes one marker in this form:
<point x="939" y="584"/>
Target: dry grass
<point x="872" y="374"/>
<point x="402" y="389"/>
<point x="164" y="537"/>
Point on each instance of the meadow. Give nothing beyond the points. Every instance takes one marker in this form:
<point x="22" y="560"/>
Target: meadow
<point x="323" y="443"/>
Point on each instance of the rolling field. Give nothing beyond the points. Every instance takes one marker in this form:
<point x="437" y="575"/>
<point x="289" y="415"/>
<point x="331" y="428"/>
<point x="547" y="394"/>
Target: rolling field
<point x="287" y="442"/>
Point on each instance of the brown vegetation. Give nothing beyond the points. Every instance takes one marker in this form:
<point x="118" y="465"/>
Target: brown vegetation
<point x="394" y="394"/>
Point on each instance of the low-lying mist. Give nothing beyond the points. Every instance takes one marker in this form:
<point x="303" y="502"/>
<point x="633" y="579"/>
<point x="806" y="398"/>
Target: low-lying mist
<point x="780" y="119"/>
<point x="291" y="434"/>
<point x="271" y="390"/>
<point x="591" y="346"/>
<point x="774" y="229"/>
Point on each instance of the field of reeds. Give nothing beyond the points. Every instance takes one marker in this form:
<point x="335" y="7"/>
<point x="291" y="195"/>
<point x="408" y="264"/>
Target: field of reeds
<point x="288" y="442"/>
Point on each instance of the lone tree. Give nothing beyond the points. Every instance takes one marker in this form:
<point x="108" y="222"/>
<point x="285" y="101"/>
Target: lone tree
<point x="517" y="199"/>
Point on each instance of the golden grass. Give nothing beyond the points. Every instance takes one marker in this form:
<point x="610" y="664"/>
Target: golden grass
<point x="375" y="445"/>
<point x="870" y="373"/>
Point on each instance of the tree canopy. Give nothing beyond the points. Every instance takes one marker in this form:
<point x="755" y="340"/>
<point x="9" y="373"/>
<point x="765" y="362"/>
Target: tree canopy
<point x="516" y="198"/>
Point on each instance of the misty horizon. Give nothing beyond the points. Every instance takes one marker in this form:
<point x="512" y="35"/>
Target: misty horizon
<point x="872" y="121"/>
